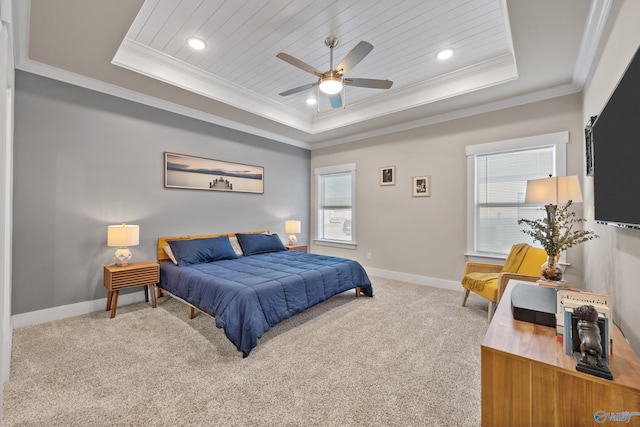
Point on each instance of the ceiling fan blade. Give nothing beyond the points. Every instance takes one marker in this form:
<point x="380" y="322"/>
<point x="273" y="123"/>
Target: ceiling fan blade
<point x="370" y="83"/>
<point x="354" y="57"/>
<point x="298" y="89"/>
<point x="297" y="63"/>
<point x="335" y="100"/>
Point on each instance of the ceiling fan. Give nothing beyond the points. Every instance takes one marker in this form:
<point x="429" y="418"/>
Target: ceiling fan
<point x="332" y="82"/>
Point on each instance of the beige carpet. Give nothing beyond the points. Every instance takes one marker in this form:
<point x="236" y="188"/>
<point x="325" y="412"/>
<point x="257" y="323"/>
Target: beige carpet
<point x="410" y="356"/>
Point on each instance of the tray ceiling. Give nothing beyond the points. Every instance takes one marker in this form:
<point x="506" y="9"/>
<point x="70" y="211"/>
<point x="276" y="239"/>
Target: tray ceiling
<point x="501" y="50"/>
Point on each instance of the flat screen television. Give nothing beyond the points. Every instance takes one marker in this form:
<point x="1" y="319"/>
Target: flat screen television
<point x="616" y="153"/>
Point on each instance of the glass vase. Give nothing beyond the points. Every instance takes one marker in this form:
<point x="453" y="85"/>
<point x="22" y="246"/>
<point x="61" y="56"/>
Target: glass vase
<point x="552" y="271"/>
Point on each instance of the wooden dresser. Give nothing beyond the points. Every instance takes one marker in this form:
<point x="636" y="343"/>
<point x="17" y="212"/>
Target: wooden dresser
<point x="527" y="380"/>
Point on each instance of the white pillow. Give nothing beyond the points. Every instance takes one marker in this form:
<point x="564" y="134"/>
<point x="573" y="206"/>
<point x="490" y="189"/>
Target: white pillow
<point x="169" y="252"/>
<point x="236" y="246"/>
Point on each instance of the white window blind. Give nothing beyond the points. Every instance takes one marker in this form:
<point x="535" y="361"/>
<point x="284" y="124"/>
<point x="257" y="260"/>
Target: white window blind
<point x="335" y="201"/>
<point x="501" y="185"/>
<point x="499" y="174"/>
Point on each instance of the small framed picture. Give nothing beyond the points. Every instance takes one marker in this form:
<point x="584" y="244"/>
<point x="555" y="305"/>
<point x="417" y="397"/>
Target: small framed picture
<point x="388" y="175"/>
<point x="588" y="137"/>
<point x="421" y="186"/>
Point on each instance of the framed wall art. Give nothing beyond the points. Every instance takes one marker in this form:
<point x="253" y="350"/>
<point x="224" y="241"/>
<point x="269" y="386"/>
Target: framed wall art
<point x="588" y="139"/>
<point x="199" y="173"/>
<point x="421" y="186"/>
<point x="388" y="175"/>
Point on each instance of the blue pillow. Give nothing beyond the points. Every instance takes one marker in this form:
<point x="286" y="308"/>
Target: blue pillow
<point x="253" y="244"/>
<point x="197" y="251"/>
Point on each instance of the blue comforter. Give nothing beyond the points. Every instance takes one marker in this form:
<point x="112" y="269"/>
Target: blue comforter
<point x="249" y="295"/>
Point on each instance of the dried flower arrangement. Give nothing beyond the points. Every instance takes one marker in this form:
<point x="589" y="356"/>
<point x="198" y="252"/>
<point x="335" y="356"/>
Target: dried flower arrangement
<point x="556" y="234"/>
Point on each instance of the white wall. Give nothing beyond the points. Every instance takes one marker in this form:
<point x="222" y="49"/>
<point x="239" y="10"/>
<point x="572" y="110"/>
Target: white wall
<point x="612" y="263"/>
<point x="427" y="236"/>
<point x="6" y="147"/>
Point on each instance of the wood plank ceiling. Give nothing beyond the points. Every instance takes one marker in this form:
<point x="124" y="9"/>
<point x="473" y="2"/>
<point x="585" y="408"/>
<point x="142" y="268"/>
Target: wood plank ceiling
<point x="243" y="37"/>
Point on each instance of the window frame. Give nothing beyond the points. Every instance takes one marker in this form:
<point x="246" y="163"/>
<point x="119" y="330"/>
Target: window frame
<point x="557" y="140"/>
<point x="320" y="172"/>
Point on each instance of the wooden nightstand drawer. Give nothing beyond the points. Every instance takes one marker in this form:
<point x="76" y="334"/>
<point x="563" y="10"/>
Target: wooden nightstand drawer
<point x="125" y="278"/>
<point x="298" y="248"/>
<point x="134" y="274"/>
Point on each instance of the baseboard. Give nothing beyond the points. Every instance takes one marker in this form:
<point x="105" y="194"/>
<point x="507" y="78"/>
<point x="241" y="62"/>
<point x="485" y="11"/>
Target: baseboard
<point x="64" y="311"/>
<point x="86" y="307"/>
<point x="414" y="278"/>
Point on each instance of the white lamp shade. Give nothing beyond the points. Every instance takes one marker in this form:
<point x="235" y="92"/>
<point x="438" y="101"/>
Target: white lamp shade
<point x="292" y="227"/>
<point x="123" y="235"/>
<point x="553" y="190"/>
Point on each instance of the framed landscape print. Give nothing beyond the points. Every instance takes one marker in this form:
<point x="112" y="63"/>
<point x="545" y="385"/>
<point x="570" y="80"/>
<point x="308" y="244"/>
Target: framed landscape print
<point x="388" y="175"/>
<point x="421" y="186"/>
<point x="199" y="173"/>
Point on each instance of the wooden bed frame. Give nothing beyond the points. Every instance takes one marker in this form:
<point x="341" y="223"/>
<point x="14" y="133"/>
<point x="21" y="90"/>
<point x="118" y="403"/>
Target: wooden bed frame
<point x="162" y="255"/>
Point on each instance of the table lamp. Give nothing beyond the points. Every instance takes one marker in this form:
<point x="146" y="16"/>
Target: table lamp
<point x="292" y="227"/>
<point x="122" y="236"/>
<point x="553" y="191"/>
<point x="555" y="233"/>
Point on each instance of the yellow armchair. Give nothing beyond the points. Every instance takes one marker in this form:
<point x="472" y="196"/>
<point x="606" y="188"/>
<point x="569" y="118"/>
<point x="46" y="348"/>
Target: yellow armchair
<point x="490" y="280"/>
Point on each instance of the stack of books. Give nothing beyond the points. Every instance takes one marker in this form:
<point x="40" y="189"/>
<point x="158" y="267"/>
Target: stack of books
<point x="559" y="284"/>
<point x="566" y="321"/>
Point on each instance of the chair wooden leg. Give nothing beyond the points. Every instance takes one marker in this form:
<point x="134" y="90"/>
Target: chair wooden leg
<point x="465" y="296"/>
<point x="490" y="311"/>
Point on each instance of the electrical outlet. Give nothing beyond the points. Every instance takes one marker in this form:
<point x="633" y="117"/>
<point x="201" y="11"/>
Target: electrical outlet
<point x="368" y="255"/>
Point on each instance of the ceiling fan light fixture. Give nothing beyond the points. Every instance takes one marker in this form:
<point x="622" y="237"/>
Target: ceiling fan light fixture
<point x="331" y="85"/>
<point x="332" y="82"/>
<point x="196" y="43"/>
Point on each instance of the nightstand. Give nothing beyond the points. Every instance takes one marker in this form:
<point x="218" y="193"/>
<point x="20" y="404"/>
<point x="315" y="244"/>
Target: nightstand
<point x="297" y="248"/>
<point x="143" y="273"/>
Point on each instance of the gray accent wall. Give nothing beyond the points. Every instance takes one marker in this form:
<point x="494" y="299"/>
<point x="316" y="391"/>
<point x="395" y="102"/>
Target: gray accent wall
<point x="84" y="160"/>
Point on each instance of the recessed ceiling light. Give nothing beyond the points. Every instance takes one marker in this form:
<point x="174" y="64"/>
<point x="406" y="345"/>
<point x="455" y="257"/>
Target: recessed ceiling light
<point x="196" y="43"/>
<point x="445" y="54"/>
<point x="311" y="101"/>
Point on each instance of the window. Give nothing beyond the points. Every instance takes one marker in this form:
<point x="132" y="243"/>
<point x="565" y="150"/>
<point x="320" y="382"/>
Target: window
<point x="498" y="174"/>
<point x="335" y="216"/>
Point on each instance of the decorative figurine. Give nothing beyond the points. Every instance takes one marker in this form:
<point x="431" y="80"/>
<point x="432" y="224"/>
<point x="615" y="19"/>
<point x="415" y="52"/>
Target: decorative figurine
<point x="589" y="357"/>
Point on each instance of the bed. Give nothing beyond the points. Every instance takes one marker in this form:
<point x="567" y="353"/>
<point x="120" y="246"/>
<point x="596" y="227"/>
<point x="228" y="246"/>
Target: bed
<point x="249" y="282"/>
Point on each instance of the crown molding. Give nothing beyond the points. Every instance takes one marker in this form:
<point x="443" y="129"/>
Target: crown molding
<point x="500" y="69"/>
<point x="21" y="13"/>
<point x="593" y="32"/>
<point x="489" y="107"/>
<point x="355" y="113"/>
<point x="144" y="60"/>
<point x="131" y="95"/>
